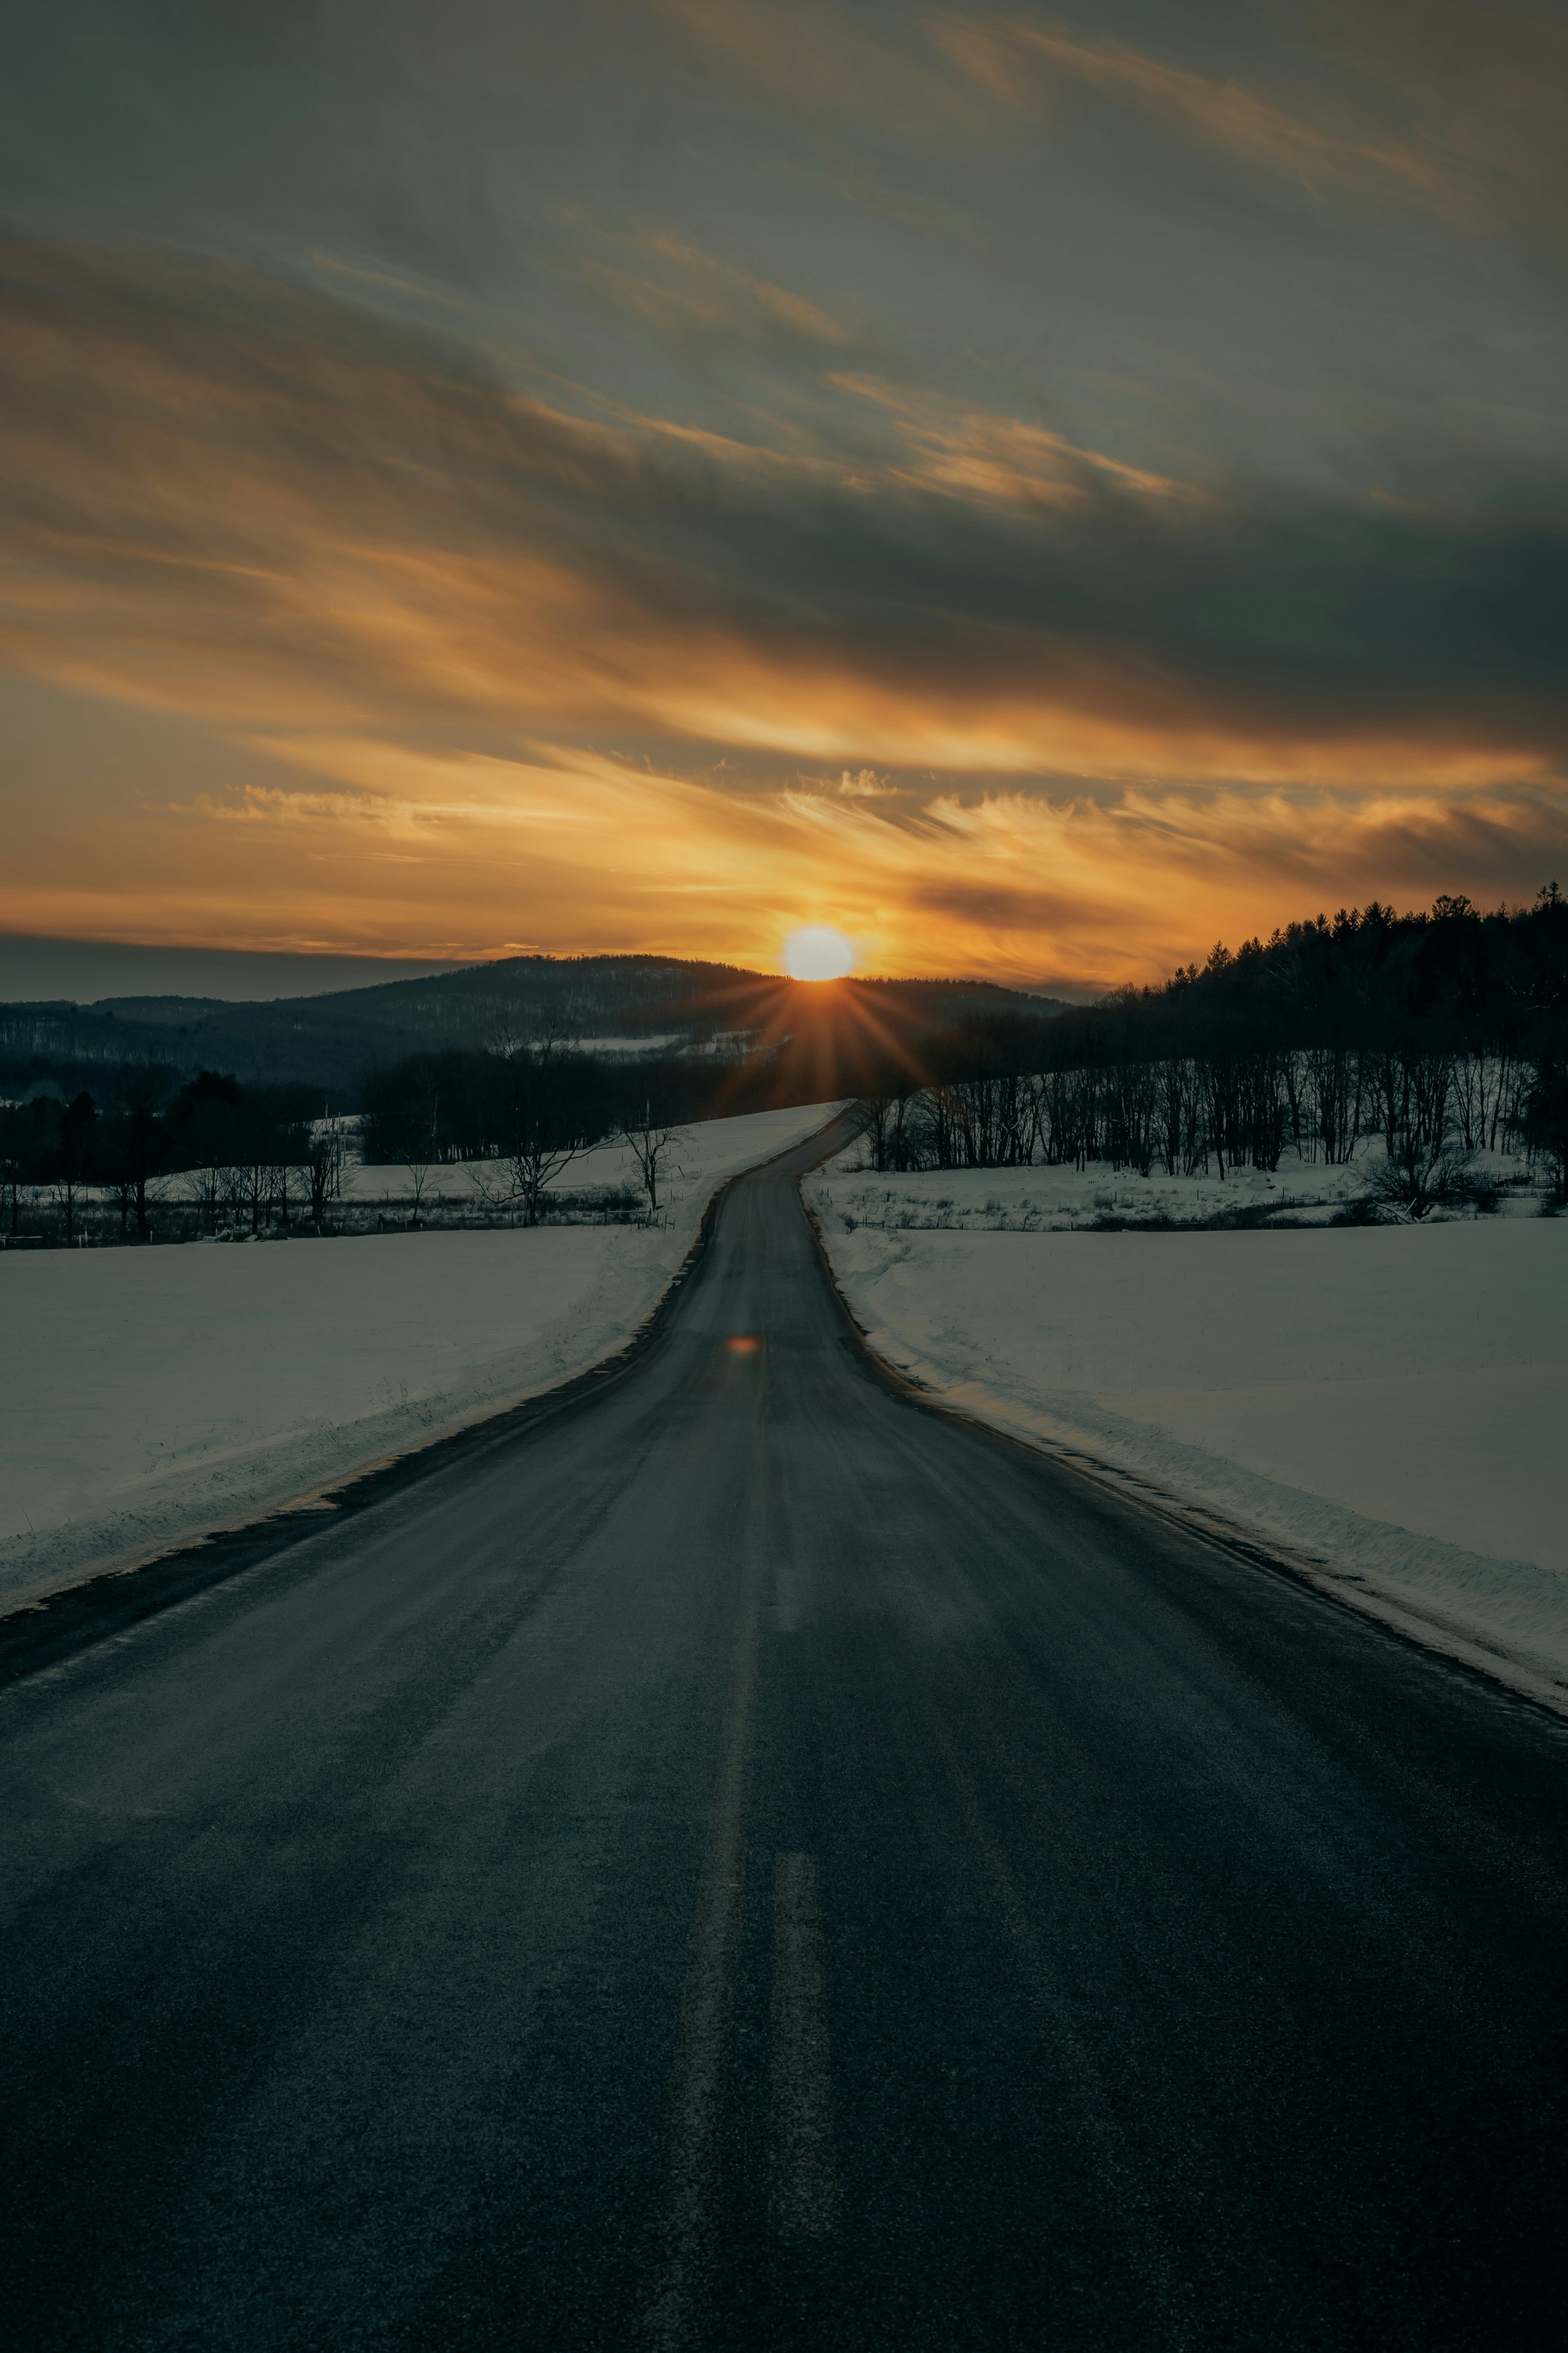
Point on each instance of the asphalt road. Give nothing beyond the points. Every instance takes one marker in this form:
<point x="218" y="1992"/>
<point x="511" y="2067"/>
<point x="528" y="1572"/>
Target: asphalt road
<point x="751" y="1862"/>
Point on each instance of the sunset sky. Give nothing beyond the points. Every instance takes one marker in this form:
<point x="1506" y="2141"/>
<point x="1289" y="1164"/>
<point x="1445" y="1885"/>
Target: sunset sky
<point x="1036" y="488"/>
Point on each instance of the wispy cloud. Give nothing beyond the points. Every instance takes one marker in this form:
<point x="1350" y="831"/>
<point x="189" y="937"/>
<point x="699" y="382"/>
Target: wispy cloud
<point x="1457" y="110"/>
<point x="972" y="452"/>
<point x="1479" y="86"/>
<point x="696" y="292"/>
<point x="351" y="542"/>
<point x="816" y="56"/>
<point x="237" y="497"/>
<point x="1018" y="61"/>
<point x="386" y="280"/>
<point x="591" y="851"/>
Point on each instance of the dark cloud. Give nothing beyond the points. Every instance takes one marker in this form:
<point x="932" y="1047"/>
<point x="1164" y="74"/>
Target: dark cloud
<point x="211" y="465"/>
<point x="993" y="907"/>
<point x="1126" y="442"/>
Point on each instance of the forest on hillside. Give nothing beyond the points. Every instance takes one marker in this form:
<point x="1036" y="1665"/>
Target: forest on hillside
<point x="636" y="1007"/>
<point x="1443" y="1034"/>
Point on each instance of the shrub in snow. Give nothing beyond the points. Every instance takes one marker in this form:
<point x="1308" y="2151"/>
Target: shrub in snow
<point x="1417" y="1179"/>
<point x="1544" y="1122"/>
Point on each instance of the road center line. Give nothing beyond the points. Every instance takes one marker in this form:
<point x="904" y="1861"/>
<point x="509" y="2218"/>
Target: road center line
<point x="803" y="2182"/>
<point x="701" y="2073"/>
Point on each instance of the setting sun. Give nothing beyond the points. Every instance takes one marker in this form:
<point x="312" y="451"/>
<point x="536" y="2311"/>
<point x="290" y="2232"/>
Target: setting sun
<point x="816" y="951"/>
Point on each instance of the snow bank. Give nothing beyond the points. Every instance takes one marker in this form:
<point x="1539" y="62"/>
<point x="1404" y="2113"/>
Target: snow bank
<point x="1388" y="1402"/>
<point x="147" y="1396"/>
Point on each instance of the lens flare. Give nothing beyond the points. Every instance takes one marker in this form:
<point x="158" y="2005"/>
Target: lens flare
<point x="816" y="951"/>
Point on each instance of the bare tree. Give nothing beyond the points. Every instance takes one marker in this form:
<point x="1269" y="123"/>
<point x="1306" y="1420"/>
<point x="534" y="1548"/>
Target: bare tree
<point x="651" y="1146"/>
<point x="132" y="1148"/>
<point x="1542" y="1122"/>
<point x="65" y="1187"/>
<point x="885" y="1108"/>
<point x="541" y="1136"/>
<point x="522" y="1176"/>
<point x="419" y="1175"/>
<point x="516" y="1183"/>
<point x="78" y="1124"/>
<point x="204" y="1190"/>
<point x="12" y="1165"/>
<point x="425" y="1154"/>
<point x="492" y="1184"/>
<point x="324" y="1169"/>
<point x="253" y="1182"/>
<point x="1419" y="1175"/>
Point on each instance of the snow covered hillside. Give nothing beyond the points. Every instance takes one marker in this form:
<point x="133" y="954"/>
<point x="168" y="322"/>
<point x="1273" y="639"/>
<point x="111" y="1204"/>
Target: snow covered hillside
<point x="1391" y="1401"/>
<point x="148" y="1394"/>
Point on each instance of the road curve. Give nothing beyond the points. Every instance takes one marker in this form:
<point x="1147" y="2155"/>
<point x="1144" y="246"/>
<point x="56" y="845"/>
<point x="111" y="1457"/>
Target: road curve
<point x="751" y="1862"/>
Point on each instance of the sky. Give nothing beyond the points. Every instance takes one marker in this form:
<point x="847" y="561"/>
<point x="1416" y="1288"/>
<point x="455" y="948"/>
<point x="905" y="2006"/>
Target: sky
<point x="1036" y="488"/>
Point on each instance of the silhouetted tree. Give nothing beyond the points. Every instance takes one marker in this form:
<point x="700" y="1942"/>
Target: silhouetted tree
<point x="651" y="1146"/>
<point x="74" y="1154"/>
<point x="1544" y="1121"/>
<point x="133" y="1142"/>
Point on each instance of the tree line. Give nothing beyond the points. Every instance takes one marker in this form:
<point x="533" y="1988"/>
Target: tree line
<point x="1445" y="1034"/>
<point x="258" y="1157"/>
<point x="521" y="1113"/>
<point x="250" y="1155"/>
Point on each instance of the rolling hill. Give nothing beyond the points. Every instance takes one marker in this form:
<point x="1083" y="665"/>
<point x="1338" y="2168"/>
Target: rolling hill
<point x="626" y="1006"/>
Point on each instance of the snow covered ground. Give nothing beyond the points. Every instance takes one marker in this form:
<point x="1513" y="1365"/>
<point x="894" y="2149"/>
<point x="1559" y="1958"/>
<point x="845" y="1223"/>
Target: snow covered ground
<point x="149" y="1394"/>
<point x="1043" y="1200"/>
<point x="609" y="1168"/>
<point x="1389" y="1402"/>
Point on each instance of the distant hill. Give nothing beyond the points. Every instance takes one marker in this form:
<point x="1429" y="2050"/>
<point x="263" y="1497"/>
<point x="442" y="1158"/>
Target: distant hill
<point x="623" y="1005"/>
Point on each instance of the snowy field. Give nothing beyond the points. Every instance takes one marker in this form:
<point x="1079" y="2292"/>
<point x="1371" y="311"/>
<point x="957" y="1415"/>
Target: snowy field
<point x="609" y="1168"/>
<point x="1389" y="1401"/>
<point x="1069" y="1200"/>
<point x="149" y="1394"/>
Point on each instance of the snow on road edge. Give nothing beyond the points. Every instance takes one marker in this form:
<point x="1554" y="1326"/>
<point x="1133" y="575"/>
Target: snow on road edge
<point x="1507" y="1616"/>
<point x="590" y="1290"/>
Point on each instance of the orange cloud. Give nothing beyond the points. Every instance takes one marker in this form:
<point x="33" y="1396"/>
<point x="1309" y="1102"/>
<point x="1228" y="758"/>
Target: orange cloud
<point x="808" y="54"/>
<point x="1481" y="87"/>
<point x="366" y="844"/>
<point x="352" y="549"/>
<point x="1009" y="60"/>
<point x="1209" y="106"/>
<point x="700" y="293"/>
<point x="289" y="514"/>
<point x="1478" y="94"/>
<point x="972" y="452"/>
